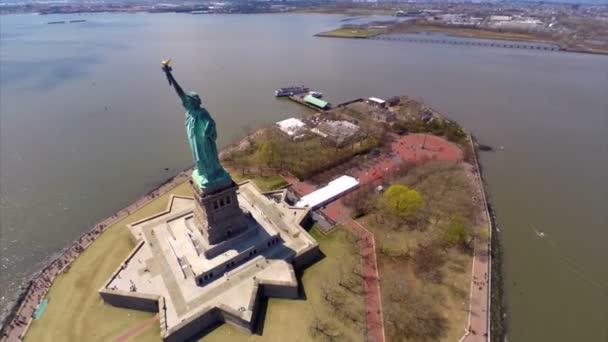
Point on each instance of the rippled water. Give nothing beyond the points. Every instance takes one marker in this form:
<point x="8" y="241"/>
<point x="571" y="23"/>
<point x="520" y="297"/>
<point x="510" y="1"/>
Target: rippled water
<point x="88" y="123"/>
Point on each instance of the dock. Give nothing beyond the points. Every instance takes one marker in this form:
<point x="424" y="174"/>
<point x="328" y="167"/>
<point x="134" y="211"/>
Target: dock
<point x="311" y="102"/>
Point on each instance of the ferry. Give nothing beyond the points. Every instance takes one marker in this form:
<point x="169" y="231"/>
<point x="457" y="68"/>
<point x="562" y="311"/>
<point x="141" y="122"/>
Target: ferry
<point x="288" y="91"/>
<point x="316" y="94"/>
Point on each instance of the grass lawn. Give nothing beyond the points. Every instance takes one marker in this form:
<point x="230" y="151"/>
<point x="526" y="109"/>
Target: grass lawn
<point x="77" y="313"/>
<point x="290" y="320"/>
<point x="352" y="33"/>
<point x="397" y="274"/>
<point x="445" y="190"/>
<point x="265" y="183"/>
<point x="469" y="32"/>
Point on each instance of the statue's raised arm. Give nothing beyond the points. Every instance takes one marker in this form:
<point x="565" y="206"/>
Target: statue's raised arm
<point x="200" y="129"/>
<point x="167" y="69"/>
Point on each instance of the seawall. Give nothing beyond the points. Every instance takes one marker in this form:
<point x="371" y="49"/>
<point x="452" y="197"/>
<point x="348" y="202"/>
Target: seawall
<point x="497" y="310"/>
<point x="20" y="314"/>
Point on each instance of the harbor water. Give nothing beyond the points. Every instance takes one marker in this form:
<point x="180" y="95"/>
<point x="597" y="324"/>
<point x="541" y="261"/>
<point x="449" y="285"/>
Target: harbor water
<point x="88" y="124"/>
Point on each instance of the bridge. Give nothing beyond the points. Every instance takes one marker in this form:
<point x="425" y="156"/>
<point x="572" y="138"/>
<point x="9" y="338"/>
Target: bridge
<point x="472" y="42"/>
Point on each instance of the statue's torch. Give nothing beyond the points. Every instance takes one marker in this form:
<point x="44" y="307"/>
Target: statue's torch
<point x="167" y="69"/>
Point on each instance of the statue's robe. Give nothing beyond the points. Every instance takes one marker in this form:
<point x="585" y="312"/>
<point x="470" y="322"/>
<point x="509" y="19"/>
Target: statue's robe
<point x="200" y="128"/>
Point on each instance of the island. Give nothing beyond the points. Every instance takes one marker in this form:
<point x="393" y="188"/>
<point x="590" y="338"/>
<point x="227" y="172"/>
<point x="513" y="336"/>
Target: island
<point x="513" y="25"/>
<point x="365" y="221"/>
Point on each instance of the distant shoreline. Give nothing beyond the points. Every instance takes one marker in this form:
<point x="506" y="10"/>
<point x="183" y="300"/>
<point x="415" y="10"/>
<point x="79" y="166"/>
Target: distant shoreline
<point x="361" y="34"/>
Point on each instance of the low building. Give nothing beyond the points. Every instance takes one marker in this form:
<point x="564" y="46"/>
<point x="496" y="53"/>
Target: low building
<point x="328" y="193"/>
<point x="376" y="102"/>
<point x="384" y="115"/>
<point x="292" y="127"/>
<point x="339" y="132"/>
<point x="393" y="101"/>
<point x="315" y="102"/>
<point x="500" y="17"/>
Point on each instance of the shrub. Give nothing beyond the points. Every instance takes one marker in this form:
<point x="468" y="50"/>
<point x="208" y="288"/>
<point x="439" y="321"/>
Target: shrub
<point x="401" y="201"/>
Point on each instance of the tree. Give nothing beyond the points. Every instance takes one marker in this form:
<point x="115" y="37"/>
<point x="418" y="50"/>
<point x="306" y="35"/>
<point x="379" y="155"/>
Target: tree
<point x="428" y="261"/>
<point x="414" y="316"/>
<point x="321" y="330"/>
<point x="267" y="153"/>
<point x="456" y="232"/>
<point x="401" y="201"/>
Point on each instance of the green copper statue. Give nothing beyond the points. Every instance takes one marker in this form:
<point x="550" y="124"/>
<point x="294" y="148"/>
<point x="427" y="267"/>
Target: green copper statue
<point x="201" y="132"/>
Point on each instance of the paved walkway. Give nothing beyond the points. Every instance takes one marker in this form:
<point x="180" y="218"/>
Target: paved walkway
<point x="477" y="329"/>
<point x="478" y="326"/>
<point x="340" y="214"/>
<point x="138" y="328"/>
<point x="371" y="281"/>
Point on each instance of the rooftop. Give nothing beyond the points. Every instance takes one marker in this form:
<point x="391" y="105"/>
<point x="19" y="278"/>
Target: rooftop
<point x="376" y="100"/>
<point x="315" y="101"/>
<point x="292" y="126"/>
<point x="327" y="193"/>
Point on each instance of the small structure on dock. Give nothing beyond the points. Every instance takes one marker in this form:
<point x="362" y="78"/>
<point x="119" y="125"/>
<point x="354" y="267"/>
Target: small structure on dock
<point x="376" y="102"/>
<point x="315" y="102"/>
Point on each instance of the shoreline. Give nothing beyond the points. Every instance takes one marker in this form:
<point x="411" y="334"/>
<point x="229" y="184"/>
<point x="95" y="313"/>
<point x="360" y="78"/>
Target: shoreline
<point x="559" y="48"/>
<point x="450" y="33"/>
<point x="19" y="315"/>
<point x="496" y="304"/>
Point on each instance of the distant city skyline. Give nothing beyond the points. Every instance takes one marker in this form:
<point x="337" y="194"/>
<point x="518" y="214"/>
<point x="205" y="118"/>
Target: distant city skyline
<point x="594" y="2"/>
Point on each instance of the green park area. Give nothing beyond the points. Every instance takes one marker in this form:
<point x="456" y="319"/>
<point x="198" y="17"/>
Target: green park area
<point x="332" y="290"/>
<point x="303" y="158"/>
<point x="425" y="226"/>
<point x="352" y="33"/>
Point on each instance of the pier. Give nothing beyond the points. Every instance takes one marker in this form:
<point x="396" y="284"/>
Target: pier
<point x="472" y="42"/>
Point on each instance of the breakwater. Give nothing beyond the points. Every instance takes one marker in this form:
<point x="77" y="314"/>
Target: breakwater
<point x="468" y="42"/>
<point x="20" y="315"/>
<point x="496" y="312"/>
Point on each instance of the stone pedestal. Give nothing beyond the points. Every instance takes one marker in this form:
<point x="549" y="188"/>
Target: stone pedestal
<point x="217" y="213"/>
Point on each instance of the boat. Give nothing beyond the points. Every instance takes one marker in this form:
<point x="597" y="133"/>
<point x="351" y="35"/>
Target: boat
<point x="289" y="91"/>
<point x="316" y="94"/>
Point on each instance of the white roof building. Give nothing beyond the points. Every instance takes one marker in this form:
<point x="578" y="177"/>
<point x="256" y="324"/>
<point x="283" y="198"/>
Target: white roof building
<point x="377" y="100"/>
<point x="500" y="17"/>
<point x="328" y="193"/>
<point x="292" y="127"/>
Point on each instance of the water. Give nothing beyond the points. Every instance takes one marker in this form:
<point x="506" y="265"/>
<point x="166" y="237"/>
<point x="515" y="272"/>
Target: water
<point x="88" y="124"/>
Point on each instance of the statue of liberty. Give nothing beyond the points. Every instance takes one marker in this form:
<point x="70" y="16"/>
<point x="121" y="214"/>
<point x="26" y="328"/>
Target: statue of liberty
<point x="202" y="134"/>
